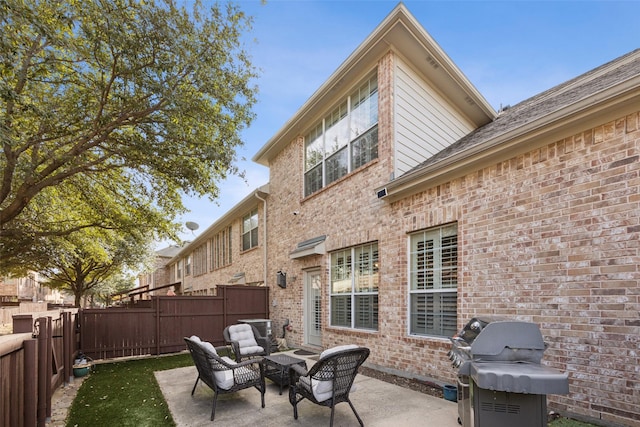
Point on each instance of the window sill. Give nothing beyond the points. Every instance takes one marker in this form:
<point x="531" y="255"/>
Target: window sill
<point x="340" y="180"/>
<point x="250" y="250"/>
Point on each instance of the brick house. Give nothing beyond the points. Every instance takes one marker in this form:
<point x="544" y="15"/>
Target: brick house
<point x="400" y="204"/>
<point x="230" y="251"/>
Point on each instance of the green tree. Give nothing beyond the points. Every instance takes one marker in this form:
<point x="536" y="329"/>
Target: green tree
<point x="111" y="111"/>
<point x="119" y="282"/>
<point x="93" y="262"/>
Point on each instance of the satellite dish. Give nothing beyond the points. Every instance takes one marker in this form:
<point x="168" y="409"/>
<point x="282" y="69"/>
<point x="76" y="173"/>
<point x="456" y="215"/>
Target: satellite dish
<point x="192" y="225"/>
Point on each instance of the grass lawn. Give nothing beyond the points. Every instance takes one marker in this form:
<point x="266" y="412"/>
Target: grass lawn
<point x="126" y="394"/>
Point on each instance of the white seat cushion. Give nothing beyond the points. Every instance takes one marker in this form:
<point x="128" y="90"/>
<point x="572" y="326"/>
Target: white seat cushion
<point x="243" y="334"/>
<point x="322" y="390"/>
<point x="206" y="345"/>
<point x="224" y="379"/>
<point x="330" y="351"/>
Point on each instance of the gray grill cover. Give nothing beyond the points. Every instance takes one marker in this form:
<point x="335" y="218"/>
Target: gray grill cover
<point x="519" y="378"/>
<point x="512" y="340"/>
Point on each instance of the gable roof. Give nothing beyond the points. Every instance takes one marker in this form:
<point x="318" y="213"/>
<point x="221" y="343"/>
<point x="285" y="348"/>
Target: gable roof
<point x="168" y="252"/>
<point x="600" y="94"/>
<point x="399" y="32"/>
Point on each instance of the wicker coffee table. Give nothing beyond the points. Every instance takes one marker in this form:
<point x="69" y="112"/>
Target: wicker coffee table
<point x="276" y="367"/>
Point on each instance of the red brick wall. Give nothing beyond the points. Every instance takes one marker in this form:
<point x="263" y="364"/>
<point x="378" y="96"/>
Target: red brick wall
<point x="251" y="262"/>
<point x="550" y="236"/>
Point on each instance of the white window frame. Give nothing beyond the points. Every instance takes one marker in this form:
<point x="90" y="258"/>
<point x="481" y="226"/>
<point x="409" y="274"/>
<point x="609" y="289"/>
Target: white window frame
<point x="437" y="284"/>
<point x="360" y="282"/>
<point x="250" y="229"/>
<point x="341" y="133"/>
<point x="179" y="270"/>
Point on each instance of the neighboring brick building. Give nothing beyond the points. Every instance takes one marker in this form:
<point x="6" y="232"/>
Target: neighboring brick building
<point x="161" y="275"/>
<point x="400" y="205"/>
<point x="27" y="288"/>
<point x="230" y="251"/>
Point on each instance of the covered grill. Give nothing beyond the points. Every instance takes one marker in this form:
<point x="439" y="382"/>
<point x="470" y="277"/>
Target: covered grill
<point x="500" y="379"/>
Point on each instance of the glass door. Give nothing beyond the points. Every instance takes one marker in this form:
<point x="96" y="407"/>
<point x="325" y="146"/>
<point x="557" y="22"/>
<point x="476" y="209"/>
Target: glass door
<point x="313" y="309"/>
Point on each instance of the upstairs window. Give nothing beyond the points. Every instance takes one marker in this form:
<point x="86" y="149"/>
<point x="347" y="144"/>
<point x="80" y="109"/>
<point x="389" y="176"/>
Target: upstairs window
<point x="221" y="249"/>
<point x="187" y="266"/>
<point x="179" y="270"/>
<point x="344" y="140"/>
<point x="200" y="260"/>
<point x="250" y="230"/>
<point x="434" y="281"/>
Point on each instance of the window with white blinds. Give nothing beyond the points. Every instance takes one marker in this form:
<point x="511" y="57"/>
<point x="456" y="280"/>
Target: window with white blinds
<point x="434" y="281"/>
<point x="354" y="287"/>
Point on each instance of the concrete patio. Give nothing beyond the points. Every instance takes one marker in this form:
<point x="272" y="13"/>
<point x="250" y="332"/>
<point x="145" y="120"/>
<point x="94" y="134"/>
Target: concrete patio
<point x="378" y="403"/>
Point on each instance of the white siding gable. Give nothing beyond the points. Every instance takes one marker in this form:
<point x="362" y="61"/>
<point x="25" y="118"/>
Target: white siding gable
<point x="425" y="122"/>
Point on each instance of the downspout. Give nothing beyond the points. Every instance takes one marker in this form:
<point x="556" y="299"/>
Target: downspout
<point x="264" y="236"/>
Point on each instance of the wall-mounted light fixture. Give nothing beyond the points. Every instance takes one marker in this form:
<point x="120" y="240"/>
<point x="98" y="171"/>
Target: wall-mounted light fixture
<point x="281" y="279"/>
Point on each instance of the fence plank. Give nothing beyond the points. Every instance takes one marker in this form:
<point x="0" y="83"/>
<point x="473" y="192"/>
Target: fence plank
<point x="29" y="374"/>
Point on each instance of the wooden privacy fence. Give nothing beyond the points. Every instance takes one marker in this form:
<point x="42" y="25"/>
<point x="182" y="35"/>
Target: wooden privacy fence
<point x="160" y="328"/>
<point x="34" y="361"/>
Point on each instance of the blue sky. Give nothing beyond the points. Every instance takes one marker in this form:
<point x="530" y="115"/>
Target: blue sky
<point x="510" y="50"/>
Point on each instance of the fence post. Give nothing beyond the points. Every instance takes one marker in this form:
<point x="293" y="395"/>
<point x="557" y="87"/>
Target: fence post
<point x="22" y="323"/>
<point x="49" y="343"/>
<point x="67" y="351"/>
<point x="31" y="376"/>
<point x="156" y="302"/>
<point x="43" y="381"/>
<point x="224" y="304"/>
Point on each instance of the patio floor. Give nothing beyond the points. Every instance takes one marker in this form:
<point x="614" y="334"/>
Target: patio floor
<point x="378" y="403"/>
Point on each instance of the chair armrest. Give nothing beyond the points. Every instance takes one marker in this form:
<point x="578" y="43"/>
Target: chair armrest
<point x="254" y="361"/>
<point x="235" y="349"/>
<point x="295" y="372"/>
<point x="265" y="343"/>
<point x="225" y="350"/>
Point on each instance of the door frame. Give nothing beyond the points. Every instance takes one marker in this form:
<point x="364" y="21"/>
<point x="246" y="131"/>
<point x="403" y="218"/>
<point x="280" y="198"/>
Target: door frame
<point x="311" y="339"/>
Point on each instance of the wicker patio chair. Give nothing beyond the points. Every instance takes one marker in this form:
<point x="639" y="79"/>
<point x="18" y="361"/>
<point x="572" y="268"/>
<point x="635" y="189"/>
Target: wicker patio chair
<point x="222" y="374"/>
<point x="246" y="341"/>
<point x="329" y="381"/>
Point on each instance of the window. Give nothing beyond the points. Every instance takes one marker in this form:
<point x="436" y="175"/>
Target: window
<point x="434" y="281"/>
<point x="354" y="287"/>
<point x="200" y="260"/>
<point x="187" y="266"/>
<point x="221" y="249"/>
<point x="344" y="140"/>
<point x="250" y="230"/>
<point x="179" y="270"/>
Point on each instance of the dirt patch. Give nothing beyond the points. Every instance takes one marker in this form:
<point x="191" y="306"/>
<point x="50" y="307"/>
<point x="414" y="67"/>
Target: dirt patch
<point x="410" y="383"/>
